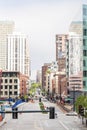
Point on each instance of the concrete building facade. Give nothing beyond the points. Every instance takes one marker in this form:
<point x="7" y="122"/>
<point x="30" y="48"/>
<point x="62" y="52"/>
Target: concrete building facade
<point x="13" y="84"/>
<point x="6" y="27"/>
<point x="84" y="48"/>
<point x="44" y="72"/>
<point x="10" y="85"/>
<point x="18" y="53"/>
<point x="38" y="76"/>
<point x="77" y="60"/>
<point x="61" y="45"/>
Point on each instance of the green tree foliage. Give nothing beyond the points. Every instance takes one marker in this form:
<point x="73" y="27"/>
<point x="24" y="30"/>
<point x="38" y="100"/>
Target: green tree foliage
<point x="42" y="107"/>
<point x="81" y="100"/>
<point x="33" y="88"/>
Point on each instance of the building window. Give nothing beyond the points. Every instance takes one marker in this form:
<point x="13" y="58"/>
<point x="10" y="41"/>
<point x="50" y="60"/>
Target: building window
<point x="1" y="92"/>
<point x="85" y="73"/>
<point x="84" y="63"/>
<point x="15" y="93"/>
<point x="85" y="32"/>
<point x="6" y="80"/>
<point x="6" y="93"/>
<point x="5" y="86"/>
<point x="10" y="87"/>
<point x="84" y="42"/>
<point x="84" y="22"/>
<point x="84" y="83"/>
<point x="1" y="87"/>
<point x="84" y="11"/>
<point x="15" y="80"/>
<point x="10" y="93"/>
<point x="10" y="81"/>
<point x="1" y="80"/>
<point x="15" y="87"/>
<point x="84" y="52"/>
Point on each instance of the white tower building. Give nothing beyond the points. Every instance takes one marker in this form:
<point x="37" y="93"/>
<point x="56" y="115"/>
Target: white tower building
<point x="18" y="53"/>
<point x="6" y="27"/>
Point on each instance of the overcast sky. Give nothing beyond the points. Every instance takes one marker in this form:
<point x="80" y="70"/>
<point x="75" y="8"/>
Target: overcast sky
<point x="41" y="20"/>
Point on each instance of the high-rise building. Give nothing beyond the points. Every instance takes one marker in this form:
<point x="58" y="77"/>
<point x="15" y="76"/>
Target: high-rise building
<point x="84" y="10"/>
<point x="75" y="48"/>
<point x="61" y="45"/>
<point x="78" y="52"/>
<point x="38" y="76"/>
<point x="18" y="53"/>
<point x="44" y="72"/>
<point x="75" y="55"/>
<point x="6" y="27"/>
<point x="61" y="51"/>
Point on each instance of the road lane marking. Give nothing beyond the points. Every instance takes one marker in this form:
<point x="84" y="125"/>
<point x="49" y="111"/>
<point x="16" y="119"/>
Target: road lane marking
<point x="63" y="125"/>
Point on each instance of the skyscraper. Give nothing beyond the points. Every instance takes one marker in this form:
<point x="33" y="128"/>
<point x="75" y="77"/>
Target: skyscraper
<point x="75" y="48"/>
<point x="6" y="27"/>
<point x="78" y="51"/>
<point x="18" y="53"/>
<point x="84" y="10"/>
<point x="61" y="45"/>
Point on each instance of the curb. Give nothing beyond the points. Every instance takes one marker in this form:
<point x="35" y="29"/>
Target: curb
<point x="63" y="107"/>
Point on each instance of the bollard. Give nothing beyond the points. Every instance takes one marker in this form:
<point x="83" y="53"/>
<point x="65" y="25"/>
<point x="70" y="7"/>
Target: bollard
<point x="15" y="113"/>
<point x="52" y="113"/>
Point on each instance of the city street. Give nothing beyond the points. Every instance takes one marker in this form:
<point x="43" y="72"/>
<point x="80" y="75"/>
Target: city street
<point x="39" y="121"/>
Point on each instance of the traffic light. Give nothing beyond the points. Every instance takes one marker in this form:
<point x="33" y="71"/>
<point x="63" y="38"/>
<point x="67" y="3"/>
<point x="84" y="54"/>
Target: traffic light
<point x="81" y="110"/>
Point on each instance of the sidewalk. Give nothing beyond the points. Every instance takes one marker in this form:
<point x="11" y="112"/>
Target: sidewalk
<point x="6" y="119"/>
<point x="65" y="107"/>
<point x="9" y="116"/>
<point x="2" y="122"/>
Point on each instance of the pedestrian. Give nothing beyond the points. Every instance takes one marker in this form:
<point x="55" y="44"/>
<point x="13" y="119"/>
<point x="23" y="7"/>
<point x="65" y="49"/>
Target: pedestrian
<point x="3" y="109"/>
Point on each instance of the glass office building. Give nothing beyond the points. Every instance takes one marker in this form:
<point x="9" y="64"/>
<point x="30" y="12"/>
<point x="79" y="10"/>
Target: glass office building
<point x="77" y="60"/>
<point x="84" y="10"/>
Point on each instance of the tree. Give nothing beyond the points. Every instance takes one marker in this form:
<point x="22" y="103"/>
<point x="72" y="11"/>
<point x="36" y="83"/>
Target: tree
<point x="81" y="101"/>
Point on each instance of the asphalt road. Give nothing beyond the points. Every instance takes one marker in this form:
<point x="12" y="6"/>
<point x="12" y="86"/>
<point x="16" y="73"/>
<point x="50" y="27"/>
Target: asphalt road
<point x="39" y="121"/>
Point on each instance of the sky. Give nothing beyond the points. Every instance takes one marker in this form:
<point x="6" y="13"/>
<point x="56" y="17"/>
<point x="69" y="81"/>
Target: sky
<point x="41" y="20"/>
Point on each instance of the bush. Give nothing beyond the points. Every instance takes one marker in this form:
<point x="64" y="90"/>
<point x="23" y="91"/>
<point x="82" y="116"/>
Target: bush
<point x="42" y="107"/>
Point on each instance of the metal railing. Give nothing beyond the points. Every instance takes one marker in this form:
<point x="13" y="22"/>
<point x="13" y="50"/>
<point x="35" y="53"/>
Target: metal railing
<point x="15" y="112"/>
